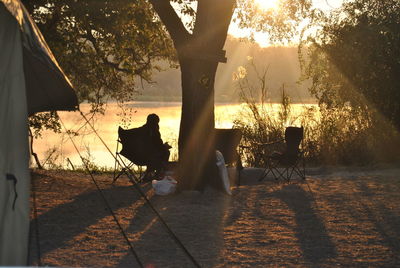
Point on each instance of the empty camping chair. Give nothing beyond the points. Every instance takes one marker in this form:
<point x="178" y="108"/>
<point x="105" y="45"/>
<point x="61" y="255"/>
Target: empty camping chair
<point x="289" y="161"/>
<point x="135" y="151"/>
<point x="227" y="142"/>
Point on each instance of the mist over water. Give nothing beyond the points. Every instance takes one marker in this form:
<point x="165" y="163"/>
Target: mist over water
<point x="106" y="125"/>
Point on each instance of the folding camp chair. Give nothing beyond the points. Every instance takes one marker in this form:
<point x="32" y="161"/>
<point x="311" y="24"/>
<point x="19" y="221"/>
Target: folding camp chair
<point x="289" y="161"/>
<point x="227" y="142"/>
<point x="122" y="164"/>
<point x="132" y="155"/>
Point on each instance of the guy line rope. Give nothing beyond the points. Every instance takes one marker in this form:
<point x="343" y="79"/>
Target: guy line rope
<point x="134" y="182"/>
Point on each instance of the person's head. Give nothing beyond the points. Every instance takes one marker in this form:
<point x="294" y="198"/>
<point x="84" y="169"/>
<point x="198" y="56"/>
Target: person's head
<point x="152" y="119"/>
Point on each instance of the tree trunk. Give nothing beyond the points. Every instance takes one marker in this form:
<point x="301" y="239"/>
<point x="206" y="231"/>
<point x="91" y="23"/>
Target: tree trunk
<point x="32" y="152"/>
<point x="199" y="54"/>
<point x="196" y="141"/>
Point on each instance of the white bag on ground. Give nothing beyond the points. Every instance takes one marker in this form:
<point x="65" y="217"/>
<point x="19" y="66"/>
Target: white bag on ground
<point x="165" y="186"/>
<point x="223" y="172"/>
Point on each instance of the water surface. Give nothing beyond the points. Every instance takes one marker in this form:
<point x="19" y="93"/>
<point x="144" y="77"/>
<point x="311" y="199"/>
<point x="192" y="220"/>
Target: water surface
<point x="107" y="125"/>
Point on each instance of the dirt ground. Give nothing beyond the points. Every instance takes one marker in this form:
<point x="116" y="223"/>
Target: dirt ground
<point x="338" y="217"/>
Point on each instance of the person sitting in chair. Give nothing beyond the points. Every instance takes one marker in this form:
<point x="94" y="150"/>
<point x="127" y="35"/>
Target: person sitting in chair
<point x="157" y="151"/>
<point x="144" y="146"/>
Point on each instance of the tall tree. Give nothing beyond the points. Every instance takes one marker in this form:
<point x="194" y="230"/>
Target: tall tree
<point x="102" y="44"/>
<point x="354" y="58"/>
<point x="199" y="53"/>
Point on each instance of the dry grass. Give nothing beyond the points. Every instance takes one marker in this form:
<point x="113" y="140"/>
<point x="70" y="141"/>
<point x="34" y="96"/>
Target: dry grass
<point x="341" y="218"/>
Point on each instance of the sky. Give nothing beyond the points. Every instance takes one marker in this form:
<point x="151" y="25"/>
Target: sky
<point x="262" y="38"/>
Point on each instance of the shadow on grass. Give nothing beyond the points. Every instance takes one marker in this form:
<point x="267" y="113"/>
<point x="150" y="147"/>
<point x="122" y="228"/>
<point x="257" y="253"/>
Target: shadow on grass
<point x="379" y="213"/>
<point x="82" y="221"/>
<point x="194" y="217"/>
<point x="199" y="220"/>
<point x="63" y="222"/>
<point x="266" y="215"/>
<point x="310" y="231"/>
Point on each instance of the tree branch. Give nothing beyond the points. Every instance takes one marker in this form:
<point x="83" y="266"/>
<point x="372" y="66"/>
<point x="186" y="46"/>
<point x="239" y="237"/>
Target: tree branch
<point x="115" y="66"/>
<point x="32" y="152"/>
<point x="89" y="36"/>
<point x="172" y="22"/>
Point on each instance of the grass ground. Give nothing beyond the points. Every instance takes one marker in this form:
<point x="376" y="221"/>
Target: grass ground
<point x="337" y="217"/>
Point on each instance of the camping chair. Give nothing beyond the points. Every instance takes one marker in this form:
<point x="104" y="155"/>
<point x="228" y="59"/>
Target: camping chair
<point x="289" y="161"/>
<point x="227" y="142"/>
<point x="132" y="153"/>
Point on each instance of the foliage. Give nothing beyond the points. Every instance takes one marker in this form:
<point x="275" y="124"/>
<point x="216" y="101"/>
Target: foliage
<point x="52" y="157"/>
<point x="88" y="164"/>
<point x="39" y="122"/>
<point x="353" y="58"/>
<point x="46" y="120"/>
<point x="346" y="136"/>
<point x="280" y="24"/>
<point x="259" y="122"/>
<point x="103" y="46"/>
<point x="332" y="135"/>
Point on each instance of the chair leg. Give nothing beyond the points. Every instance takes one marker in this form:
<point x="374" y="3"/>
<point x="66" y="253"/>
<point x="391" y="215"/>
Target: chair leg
<point x="124" y="168"/>
<point x="269" y="169"/>
<point x="301" y="174"/>
<point x="131" y="174"/>
<point x="287" y="172"/>
<point x="264" y="174"/>
<point x="281" y="174"/>
<point x="119" y="174"/>
<point x="301" y="169"/>
<point x="292" y="170"/>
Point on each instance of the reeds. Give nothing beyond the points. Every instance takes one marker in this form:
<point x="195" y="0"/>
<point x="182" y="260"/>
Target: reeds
<point x="332" y="136"/>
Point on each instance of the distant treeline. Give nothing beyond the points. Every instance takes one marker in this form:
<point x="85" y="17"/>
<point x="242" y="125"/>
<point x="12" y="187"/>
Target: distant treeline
<point x="282" y="69"/>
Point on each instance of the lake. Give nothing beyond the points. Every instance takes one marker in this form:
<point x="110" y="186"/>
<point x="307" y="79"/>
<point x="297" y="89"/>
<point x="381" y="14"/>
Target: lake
<point x="57" y="148"/>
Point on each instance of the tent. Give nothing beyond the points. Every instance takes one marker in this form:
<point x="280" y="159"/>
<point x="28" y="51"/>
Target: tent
<point x="30" y="81"/>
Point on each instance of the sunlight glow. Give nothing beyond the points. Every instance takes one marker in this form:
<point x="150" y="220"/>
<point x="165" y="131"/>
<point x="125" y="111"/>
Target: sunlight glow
<point x="273" y="6"/>
<point x="267" y="4"/>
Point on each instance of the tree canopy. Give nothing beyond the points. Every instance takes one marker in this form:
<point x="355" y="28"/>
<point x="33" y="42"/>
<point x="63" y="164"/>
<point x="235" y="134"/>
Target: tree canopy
<point x="354" y="57"/>
<point x="280" y="23"/>
<point x="105" y="47"/>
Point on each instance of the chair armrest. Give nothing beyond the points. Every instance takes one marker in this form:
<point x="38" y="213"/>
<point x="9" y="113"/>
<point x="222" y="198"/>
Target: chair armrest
<point x="270" y="143"/>
<point x="262" y="144"/>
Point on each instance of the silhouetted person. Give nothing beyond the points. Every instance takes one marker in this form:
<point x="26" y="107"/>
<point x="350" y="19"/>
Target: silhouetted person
<point x="144" y="146"/>
<point x="158" y="151"/>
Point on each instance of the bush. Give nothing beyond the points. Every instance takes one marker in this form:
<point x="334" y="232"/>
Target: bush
<point x="332" y="136"/>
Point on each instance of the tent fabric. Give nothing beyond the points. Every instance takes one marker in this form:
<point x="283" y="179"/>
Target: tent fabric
<point x="14" y="147"/>
<point x="30" y="81"/>
<point x="47" y="87"/>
